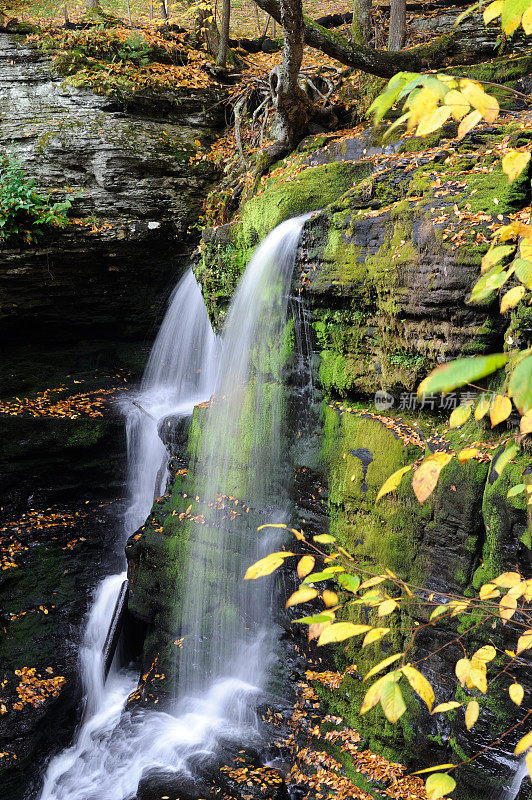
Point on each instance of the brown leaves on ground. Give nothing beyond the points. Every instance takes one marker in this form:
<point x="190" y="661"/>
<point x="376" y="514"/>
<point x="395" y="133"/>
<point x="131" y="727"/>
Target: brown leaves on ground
<point x="51" y="403"/>
<point x="33" y="689"/>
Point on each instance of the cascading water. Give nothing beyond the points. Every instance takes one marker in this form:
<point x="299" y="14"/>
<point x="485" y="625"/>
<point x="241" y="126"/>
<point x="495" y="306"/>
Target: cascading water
<point x="181" y="371"/>
<point x="225" y="653"/>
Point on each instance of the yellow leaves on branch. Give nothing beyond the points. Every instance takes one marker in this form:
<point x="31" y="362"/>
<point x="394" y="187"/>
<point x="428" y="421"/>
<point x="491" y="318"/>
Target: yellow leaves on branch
<point x="438" y="785"/>
<point x="471" y="714"/>
<point x="511" y="298"/>
<point x="302" y="595"/>
<point x="340" y="631"/>
<point x="392" y="483"/>
<point x="516" y="693"/>
<point x="514" y="162"/>
<point x="500" y="409"/>
<point x="265" y="566"/>
<point x="305" y="566"/>
<point x="419" y="684"/>
<point x="427" y="474"/>
<point x="459" y="415"/>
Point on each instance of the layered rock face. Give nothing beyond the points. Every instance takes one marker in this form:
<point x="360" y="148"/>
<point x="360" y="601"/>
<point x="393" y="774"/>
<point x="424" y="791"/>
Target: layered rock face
<point x="79" y="310"/>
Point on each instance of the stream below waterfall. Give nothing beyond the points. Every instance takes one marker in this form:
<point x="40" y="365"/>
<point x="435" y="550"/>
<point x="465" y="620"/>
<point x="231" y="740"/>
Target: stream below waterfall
<point x="223" y="670"/>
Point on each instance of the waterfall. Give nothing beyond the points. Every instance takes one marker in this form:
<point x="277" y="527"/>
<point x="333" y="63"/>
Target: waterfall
<point x="180" y="373"/>
<point x="239" y="458"/>
<point x="238" y="472"/>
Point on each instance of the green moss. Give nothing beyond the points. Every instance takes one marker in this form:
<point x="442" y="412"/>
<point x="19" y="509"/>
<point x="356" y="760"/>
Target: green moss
<point x="500" y="514"/>
<point x="295" y="193"/>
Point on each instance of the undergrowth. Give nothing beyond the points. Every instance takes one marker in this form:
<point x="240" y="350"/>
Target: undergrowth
<point x="24" y="211"/>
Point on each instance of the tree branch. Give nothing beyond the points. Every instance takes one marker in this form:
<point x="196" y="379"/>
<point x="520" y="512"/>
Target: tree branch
<point x="386" y="64"/>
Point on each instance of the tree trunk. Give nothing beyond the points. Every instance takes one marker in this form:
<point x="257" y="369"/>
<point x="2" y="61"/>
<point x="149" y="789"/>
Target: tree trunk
<point x="397" y="32"/>
<point x="224" y="36"/>
<point x="361" y="25"/>
<point x="93" y="5"/>
<point x="162" y="10"/>
<point x="206" y="30"/>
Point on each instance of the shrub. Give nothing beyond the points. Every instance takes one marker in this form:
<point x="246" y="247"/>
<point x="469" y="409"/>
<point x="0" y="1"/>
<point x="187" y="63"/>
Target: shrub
<point x="23" y="209"/>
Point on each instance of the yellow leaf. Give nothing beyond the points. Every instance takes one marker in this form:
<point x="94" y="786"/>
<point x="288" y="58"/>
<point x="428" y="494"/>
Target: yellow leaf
<point x="272" y="525"/>
<point x="265" y="566"/>
<point x="392" y="483"/>
<point x="526" y="423"/>
<point x="526" y="21"/>
<point x="382" y="665"/>
<point x="524" y="642"/>
<point x="508" y="579"/>
<point x="485" y="103"/>
<point x="511" y="298"/>
<point x="468" y="123"/>
<point x="373" y="581"/>
<point x="516" y="693"/>
<point x="324" y="538"/>
<point x="373" y="695"/>
<point x="460" y="415"/>
<point x="485" y="654"/>
<point x="305" y="566"/>
<point x="457" y="103"/>
<point x="446" y="707"/>
<point x="467" y="453"/>
<point x="525" y="743"/>
<point x="514" y="162"/>
<point x="478" y="679"/>
<point x="340" y="631"/>
<point x="422" y="106"/>
<point x="329" y="598"/>
<point x="483" y="407"/>
<point x="488" y="591"/>
<point x="427" y="474"/>
<point x="434" y="121"/>
<point x="493" y="11"/>
<point x="462" y="670"/>
<point x="374" y="635"/>
<point x="392" y="702"/>
<point x="419" y="684"/>
<point x="316" y="629"/>
<point x="386" y="607"/>
<point x="303" y="594"/>
<point x="471" y="714"/>
<point x="439" y="784"/>
<point x="500" y="409"/>
<point x="438" y="611"/>
<point x="434" y="768"/>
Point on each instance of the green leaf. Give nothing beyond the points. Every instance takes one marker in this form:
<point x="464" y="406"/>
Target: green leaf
<point x="325" y="616"/>
<point x="314" y="577"/>
<point x="392" y="701"/>
<point x="505" y="458"/>
<point x="348" y="582"/>
<point x="489" y="283"/>
<point x="517" y="489"/>
<point x="459" y="372"/>
<point x="521" y="385"/>
<point x="523" y="270"/>
<point x="511" y="14"/>
<point x="438" y="785"/>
